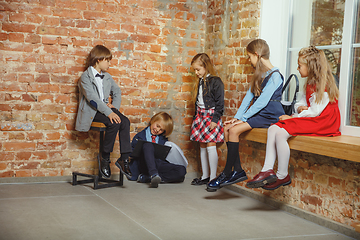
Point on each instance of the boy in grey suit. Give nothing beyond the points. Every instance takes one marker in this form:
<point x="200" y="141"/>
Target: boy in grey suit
<point x="95" y="88"/>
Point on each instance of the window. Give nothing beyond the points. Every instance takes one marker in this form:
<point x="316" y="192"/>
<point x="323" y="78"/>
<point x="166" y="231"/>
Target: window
<point x="330" y="25"/>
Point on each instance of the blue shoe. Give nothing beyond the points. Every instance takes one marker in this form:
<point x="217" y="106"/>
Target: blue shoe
<point x="155" y="180"/>
<point x="234" y="178"/>
<point x="215" y="184"/>
<point x="143" y="178"/>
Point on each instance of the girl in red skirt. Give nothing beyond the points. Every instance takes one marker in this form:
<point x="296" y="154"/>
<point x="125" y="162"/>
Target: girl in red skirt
<point x="317" y="115"/>
<point x="207" y="128"/>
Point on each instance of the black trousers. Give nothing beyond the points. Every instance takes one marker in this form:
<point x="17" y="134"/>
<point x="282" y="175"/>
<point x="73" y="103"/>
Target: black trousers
<point x="112" y="129"/>
<point x="150" y="165"/>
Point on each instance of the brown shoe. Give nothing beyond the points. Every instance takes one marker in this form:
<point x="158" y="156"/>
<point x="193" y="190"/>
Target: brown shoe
<point x="278" y="183"/>
<point x="262" y="178"/>
<point x="124" y="167"/>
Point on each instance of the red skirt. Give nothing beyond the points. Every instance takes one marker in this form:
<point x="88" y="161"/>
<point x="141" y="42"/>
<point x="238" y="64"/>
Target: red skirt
<point x="326" y="124"/>
<point x="200" y="131"/>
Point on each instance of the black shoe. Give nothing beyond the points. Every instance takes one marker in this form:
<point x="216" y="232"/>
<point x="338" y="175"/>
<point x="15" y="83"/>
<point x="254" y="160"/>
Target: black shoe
<point x="235" y="177"/>
<point x="215" y="184"/>
<point x="199" y="181"/>
<point x="124" y="167"/>
<point x="155" y="180"/>
<point x="104" y="166"/>
<point x="144" y="178"/>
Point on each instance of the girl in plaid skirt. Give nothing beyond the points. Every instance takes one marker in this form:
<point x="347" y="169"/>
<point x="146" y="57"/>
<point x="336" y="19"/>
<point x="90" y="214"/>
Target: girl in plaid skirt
<point x="207" y="128"/>
<point x="260" y="108"/>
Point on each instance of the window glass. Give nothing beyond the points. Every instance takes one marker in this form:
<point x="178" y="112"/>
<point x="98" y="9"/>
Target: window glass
<point x="354" y="109"/>
<point x="317" y="22"/>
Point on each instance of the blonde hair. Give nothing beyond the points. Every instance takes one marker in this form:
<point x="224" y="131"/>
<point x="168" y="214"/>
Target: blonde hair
<point x="260" y="48"/>
<point x="98" y="53"/>
<point x="204" y="60"/>
<point x="319" y="73"/>
<point x="166" y="119"/>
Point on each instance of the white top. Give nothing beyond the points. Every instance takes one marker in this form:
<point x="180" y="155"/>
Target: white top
<point x="99" y="83"/>
<point x="200" y="99"/>
<point x="315" y="109"/>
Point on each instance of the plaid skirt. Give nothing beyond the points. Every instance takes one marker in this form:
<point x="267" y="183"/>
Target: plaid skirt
<point x="200" y="131"/>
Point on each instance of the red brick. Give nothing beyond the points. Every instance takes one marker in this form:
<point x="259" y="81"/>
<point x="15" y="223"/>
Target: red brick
<point x="142" y="38"/>
<point x="17" y="17"/>
<point x="53" y="136"/>
<point x="82" y="23"/>
<point x="16" y="37"/>
<point x="49" y="117"/>
<point x="18" y="146"/>
<point x="128" y="28"/>
<point x="16" y="27"/>
<point x="52" y="21"/>
<point x="34" y="135"/>
<point x="62" y="99"/>
<point x="95" y="15"/>
<point x="59" y="145"/>
<point x="23" y="155"/>
<point x="53" y="30"/>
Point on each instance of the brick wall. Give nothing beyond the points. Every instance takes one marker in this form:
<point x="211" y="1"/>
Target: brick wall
<point x="43" y="46"/>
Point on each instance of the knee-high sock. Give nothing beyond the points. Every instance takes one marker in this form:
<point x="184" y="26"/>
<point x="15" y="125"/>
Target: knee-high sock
<point x="204" y="163"/>
<point x="277" y="145"/>
<point x="232" y="157"/>
<point x="270" y="155"/>
<point x="213" y="161"/>
<point x="283" y="153"/>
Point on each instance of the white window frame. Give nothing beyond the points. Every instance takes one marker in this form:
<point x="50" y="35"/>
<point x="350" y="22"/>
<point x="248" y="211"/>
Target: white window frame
<point x="275" y="28"/>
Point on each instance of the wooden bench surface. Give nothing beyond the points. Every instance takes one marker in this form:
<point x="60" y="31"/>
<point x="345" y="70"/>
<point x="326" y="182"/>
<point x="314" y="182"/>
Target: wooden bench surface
<point x="343" y="147"/>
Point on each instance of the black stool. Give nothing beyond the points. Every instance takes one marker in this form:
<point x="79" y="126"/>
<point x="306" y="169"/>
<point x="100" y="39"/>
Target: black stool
<point x="96" y="179"/>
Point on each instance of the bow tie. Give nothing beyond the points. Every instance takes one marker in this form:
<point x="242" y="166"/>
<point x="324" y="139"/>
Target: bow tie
<point x="100" y="76"/>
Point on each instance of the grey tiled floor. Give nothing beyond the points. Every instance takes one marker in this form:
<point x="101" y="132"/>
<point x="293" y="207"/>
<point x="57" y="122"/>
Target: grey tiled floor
<point x="135" y="211"/>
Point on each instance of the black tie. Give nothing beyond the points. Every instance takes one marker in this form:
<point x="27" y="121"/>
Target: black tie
<point x="100" y="76"/>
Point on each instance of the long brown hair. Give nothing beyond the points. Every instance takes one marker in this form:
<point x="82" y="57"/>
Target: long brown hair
<point x="204" y="61"/>
<point x="260" y="48"/>
<point x="319" y="73"/>
<point x="98" y="53"/>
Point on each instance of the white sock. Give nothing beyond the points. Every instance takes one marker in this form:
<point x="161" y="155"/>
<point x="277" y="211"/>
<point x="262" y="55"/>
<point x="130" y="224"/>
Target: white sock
<point x="277" y="145"/>
<point x="283" y="153"/>
<point x="204" y="163"/>
<point x="213" y="160"/>
<point x="270" y="155"/>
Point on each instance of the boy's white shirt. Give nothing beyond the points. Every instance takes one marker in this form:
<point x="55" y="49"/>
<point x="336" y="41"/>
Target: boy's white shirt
<point x="315" y="109"/>
<point x="99" y="83"/>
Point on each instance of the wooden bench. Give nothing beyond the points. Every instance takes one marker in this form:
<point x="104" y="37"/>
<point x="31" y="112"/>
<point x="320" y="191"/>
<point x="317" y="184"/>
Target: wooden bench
<point x="343" y="147"/>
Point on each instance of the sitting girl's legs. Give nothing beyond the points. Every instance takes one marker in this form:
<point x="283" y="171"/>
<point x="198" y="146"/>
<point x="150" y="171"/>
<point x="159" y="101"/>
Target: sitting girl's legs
<point x="228" y="176"/>
<point x="232" y="141"/>
<point x="276" y="145"/>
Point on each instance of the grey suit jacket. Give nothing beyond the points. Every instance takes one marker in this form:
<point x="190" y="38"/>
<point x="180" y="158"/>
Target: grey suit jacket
<point x="89" y="99"/>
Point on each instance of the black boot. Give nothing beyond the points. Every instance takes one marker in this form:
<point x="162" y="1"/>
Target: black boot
<point x="124" y="166"/>
<point x="104" y="166"/>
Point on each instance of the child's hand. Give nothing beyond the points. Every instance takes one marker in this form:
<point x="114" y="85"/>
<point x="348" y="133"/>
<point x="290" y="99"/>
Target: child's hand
<point x="230" y="121"/>
<point x="114" y="118"/>
<point x="284" y="117"/>
<point x="302" y="108"/>
<point x="110" y="105"/>
<point x="212" y="126"/>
